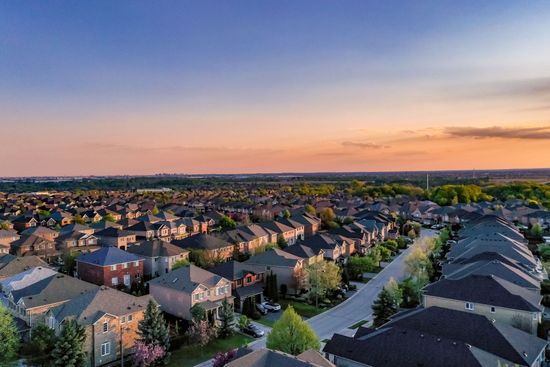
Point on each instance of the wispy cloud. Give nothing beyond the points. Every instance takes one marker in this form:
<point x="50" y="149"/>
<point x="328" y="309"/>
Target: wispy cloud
<point x="536" y="133"/>
<point x="363" y="145"/>
<point x="537" y="88"/>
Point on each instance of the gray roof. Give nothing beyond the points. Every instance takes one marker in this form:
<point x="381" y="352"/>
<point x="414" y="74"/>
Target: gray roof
<point x="201" y="242"/>
<point x="274" y="257"/>
<point x="90" y="306"/>
<point x="156" y="248"/>
<point x="187" y="279"/>
<point x="270" y="358"/>
<point x="487" y="290"/>
<point x="11" y="265"/>
<point x="54" y="289"/>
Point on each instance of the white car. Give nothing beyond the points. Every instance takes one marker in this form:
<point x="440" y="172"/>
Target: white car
<point x="274" y="307"/>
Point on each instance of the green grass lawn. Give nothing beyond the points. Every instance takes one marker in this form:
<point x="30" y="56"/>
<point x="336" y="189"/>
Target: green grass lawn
<point x="302" y="309"/>
<point x="546" y="265"/>
<point x="191" y="355"/>
<point x="357" y="325"/>
<point x="265" y="322"/>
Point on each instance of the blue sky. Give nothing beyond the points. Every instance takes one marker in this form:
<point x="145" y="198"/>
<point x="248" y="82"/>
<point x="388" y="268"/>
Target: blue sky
<point x="183" y="77"/>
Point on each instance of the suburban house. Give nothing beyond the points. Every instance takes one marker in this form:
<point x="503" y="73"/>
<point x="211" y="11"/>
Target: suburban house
<point x="159" y="256"/>
<point x="215" y="247"/>
<point x="34" y="245"/>
<point x="335" y="249"/>
<point x="110" y="319"/>
<point x="42" y="232"/>
<point x="289" y="234"/>
<point x="246" y="281"/>
<point x="11" y="265"/>
<point x="289" y="268"/>
<point x="272" y="358"/>
<point x="7" y="237"/>
<point x="249" y="238"/>
<point x="76" y="239"/>
<point x="308" y="254"/>
<point x="311" y="223"/>
<point x="490" y="296"/>
<point x="115" y="237"/>
<point x="110" y="266"/>
<point x="33" y="301"/>
<point x="297" y="226"/>
<point x="437" y="337"/>
<point x="179" y="290"/>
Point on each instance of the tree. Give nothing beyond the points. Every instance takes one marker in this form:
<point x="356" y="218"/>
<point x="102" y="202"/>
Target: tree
<point x="243" y="322"/>
<point x="155" y="210"/>
<point x="78" y="219"/>
<point x="309" y="209"/>
<point x="410" y="290"/>
<point x="271" y="287"/>
<point x="323" y="277"/>
<point x="146" y="355"/>
<point x="69" y="347"/>
<point x="152" y="329"/>
<point x="291" y="334"/>
<point x="180" y="264"/>
<point x="536" y="230"/>
<point x="328" y="218"/>
<point x="227" y="319"/>
<point x="198" y="313"/>
<point x="42" y="341"/>
<point x="383" y="308"/>
<point x="69" y="263"/>
<point x="417" y="264"/>
<point x="201" y="333"/>
<point x="395" y="292"/>
<point x="281" y="242"/>
<point x="109" y="218"/>
<point x="227" y="223"/>
<point x="283" y="290"/>
<point x="384" y="252"/>
<point x="223" y="358"/>
<point x="9" y="339"/>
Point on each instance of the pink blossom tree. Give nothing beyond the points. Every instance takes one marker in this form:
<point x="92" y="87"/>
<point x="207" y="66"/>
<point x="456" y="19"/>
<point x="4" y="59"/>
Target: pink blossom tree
<point x="147" y="354"/>
<point x="223" y="358"/>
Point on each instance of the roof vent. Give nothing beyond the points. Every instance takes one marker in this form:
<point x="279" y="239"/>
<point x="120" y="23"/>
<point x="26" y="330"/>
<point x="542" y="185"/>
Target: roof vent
<point x="174" y="280"/>
<point x="524" y="353"/>
<point x="468" y="345"/>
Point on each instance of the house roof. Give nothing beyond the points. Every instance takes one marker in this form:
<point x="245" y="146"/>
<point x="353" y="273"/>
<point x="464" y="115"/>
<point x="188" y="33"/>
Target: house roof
<point x="275" y="257"/>
<point x="11" y="265"/>
<point x="234" y="270"/>
<point x="271" y="358"/>
<point x="187" y="279"/>
<point x="107" y="256"/>
<point x="156" y="248"/>
<point x="201" y="242"/>
<point x="302" y="251"/>
<point x="439" y="337"/>
<point x="87" y="308"/>
<point x="113" y="232"/>
<point x="54" y="289"/>
<point x="488" y="290"/>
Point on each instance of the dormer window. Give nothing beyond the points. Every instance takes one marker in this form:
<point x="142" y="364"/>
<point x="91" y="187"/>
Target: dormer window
<point x="113" y="267"/>
<point x="125" y="266"/>
<point x="105" y="327"/>
<point x="469" y="306"/>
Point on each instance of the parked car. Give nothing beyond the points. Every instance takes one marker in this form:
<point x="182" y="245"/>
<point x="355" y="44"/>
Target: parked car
<point x="273" y="307"/>
<point x="261" y="309"/>
<point x="253" y="330"/>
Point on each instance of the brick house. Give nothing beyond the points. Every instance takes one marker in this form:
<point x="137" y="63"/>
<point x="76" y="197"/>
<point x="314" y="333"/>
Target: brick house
<point x="110" y="319"/>
<point x="110" y="266"/>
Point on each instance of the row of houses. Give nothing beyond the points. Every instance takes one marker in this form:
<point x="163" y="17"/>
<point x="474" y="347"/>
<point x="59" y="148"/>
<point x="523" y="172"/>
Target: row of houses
<point x="483" y="311"/>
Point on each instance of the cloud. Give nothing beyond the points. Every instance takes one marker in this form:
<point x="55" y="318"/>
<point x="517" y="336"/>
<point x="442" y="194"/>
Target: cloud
<point x="363" y="145"/>
<point x="538" y="88"/>
<point x="534" y="133"/>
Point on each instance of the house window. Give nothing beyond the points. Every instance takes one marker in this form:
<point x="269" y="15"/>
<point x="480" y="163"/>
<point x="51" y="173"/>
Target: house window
<point x="227" y="289"/>
<point x="113" y="267"/>
<point x="469" y="306"/>
<point x="127" y="280"/>
<point x="136" y="264"/>
<point x="105" y="327"/>
<point x="493" y="310"/>
<point x="130" y="317"/>
<point x="535" y="316"/>
<point x="123" y="319"/>
<point x="125" y="266"/>
<point x="105" y="349"/>
<point x="114" y="281"/>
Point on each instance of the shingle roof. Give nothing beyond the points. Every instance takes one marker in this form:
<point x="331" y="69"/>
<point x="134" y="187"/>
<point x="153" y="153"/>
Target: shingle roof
<point x="156" y="248"/>
<point x="107" y="256"/>
<point x="487" y="290"/>
<point x="201" y="241"/>
<point x="274" y="257"/>
<point x="270" y="358"/>
<point x="187" y="279"/>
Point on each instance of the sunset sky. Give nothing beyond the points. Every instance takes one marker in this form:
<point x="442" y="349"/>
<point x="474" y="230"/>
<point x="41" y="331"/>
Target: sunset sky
<point x="144" y="87"/>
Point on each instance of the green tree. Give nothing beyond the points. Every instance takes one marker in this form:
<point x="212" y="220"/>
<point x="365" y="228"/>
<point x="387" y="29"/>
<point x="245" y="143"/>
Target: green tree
<point x="78" y="219"/>
<point x="383" y="308"/>
<point x="9" y="339"/>
<point x="291" y="334"/>
<point x="155" y="210"/>
<point x="271" y="287"/>
<point x="310" y="209"/>
<point x="395" y="292"/>
<point x="536" y="230"/>
<point x="243" y="322"/>
<point x="227" y="319"/>
<point x="43" y="342"/>
<point x="322" y="277"/>
<point x="286" y="213"/>
<point x="152" y="329"/>
<point x="69" y="263"/>
<point x="198" y="313"/>
<point x="281" y="242"/>
<point x="69" y="347"/>
<point x="328" y="218"/>
<point x="227" y="223"/>
<point x="109" y="218"/>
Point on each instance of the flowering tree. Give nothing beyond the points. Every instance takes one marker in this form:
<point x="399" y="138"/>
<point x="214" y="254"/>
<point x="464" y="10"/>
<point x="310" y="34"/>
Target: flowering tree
<point x="223" y="358"/>
<point x="201" y="332"/>
<point x="147" y="354"/>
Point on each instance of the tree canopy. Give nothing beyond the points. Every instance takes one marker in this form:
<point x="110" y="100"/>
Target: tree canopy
<point x="291" y="334"/>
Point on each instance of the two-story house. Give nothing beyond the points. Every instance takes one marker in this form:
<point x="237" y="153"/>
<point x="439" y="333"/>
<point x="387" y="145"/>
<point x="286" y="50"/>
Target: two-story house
<point x="159" y="256"/>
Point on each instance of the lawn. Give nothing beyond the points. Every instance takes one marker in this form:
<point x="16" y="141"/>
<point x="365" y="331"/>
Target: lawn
<point x="266" y="322"/>
<point x="546" y="265"/>
<point x="303" y="309"/>
<point x="191" y="355"/>
<point x="357" y="325"/>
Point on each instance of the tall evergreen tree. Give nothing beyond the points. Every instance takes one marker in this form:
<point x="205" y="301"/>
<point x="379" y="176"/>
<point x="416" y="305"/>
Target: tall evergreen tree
<point x="9" y="340"/>
<point x="152" y="329"/>
<point x="274" y="288"/>
<point x="227" y="319"/>
<point x="69" y="347"/>
<point x="383" y="308"/>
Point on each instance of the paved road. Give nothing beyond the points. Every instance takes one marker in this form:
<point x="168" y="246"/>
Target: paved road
<point x="355" y="308"/>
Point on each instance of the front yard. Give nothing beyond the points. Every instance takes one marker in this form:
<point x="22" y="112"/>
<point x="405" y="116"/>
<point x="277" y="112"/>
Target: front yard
<point x="191" y="355"/>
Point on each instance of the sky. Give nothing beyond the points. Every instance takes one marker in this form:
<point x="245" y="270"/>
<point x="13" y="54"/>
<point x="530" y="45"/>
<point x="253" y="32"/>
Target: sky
<point x="143" y="87"/>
